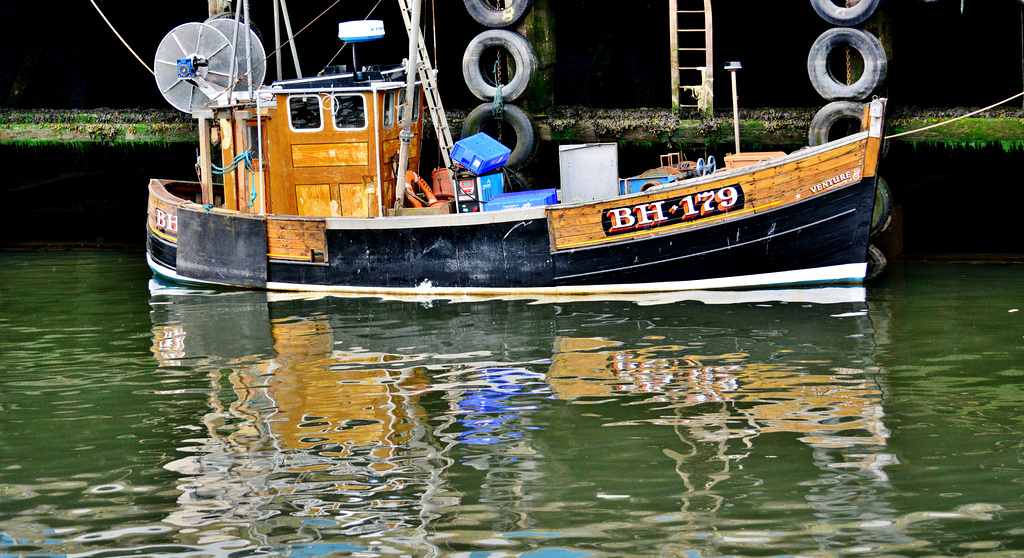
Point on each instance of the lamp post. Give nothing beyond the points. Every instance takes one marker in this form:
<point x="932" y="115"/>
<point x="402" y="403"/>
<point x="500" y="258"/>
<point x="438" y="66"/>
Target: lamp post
<point x="732" y="67"/>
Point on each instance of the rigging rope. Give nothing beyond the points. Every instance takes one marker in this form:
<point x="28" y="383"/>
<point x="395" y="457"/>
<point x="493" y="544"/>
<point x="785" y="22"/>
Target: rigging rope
<point x="239" y="159"/>
<point x="433" y="27"/>
<point x="242" y="77"/>
<point x="968" y="115"/>
<point x="299" y="32"/>
<point x="125" y="43"/>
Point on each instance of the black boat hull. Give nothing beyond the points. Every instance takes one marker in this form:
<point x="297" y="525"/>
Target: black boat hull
<point x="823" y="239"/>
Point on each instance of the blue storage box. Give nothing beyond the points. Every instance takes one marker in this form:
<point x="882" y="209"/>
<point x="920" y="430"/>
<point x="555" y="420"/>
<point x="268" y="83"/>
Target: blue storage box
<point x="522" y="200"/>
<point x="490" y="185"/>
<point x="480" y="153"/>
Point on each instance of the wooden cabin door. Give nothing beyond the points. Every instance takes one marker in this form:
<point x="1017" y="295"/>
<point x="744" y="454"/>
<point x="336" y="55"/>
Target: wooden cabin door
<point x="328" y="150"/>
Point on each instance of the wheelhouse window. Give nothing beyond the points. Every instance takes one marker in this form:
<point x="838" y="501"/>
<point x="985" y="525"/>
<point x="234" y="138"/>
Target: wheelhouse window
<point x="415" y="105"/>
<point x="389" y="109"/>
<point x="304" y="113"/>
<point x="349" y="112"/>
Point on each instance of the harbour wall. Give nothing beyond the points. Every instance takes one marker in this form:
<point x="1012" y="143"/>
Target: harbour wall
<point x="81" y="170"/>
<point x="594" y="54"/>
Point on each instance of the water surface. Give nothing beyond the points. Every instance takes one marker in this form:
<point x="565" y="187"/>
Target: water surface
<point x="138" y="418"/>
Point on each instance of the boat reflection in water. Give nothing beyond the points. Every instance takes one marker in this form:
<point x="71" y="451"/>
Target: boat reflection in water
<point x="437" y="427"/>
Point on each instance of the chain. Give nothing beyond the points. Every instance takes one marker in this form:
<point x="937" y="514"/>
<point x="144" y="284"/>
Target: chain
<point x="849" y="67"/>
<point x="497" y="97"/>
<point x="497" y="62"/>
<point x="497" y="70"/>
<point x="498" y="79"/>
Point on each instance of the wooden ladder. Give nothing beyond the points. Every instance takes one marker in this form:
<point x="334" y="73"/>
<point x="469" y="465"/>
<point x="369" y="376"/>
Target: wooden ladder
<point x="428" y="76"/>
<point x="692" y="55"/>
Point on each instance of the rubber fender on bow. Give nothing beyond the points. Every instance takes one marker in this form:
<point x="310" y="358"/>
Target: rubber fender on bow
<point x="484" y="12"/>
<point x="522" y="126"/>
<point x="414" y="182"/>
<point x="881" y="215"/>
<point x="871" y="51"/>
<point x="844" y="14"/>
<point x="876" y="262"/>
<point x="479" y="73"/>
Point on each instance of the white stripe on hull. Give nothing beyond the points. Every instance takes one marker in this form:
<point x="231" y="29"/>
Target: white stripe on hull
<point x="846" y="273"/>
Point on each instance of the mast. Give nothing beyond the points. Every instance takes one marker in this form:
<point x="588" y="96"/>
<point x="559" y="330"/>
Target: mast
<point x="291" y="37"/>
<point x="277" y="39"/>
<point x="406" y="134"/>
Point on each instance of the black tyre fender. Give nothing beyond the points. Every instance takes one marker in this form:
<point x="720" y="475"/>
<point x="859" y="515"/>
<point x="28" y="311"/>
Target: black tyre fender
<point x="881" y="215"/>
<point x="829" y="116"/>
<point x="522" y="52"/>
<point x="522" y="124"/>
<point x="485" y="14"/>
<point x="870" y="49"/>
<point x="843" y="16"/>
<point x="515" y="182"/>
<point x="876" y="263"/>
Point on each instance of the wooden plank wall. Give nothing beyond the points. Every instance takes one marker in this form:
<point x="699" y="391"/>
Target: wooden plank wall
<point x="297" y="239"/>
<point x="318" y="169"/>
<point x="581" y="226"/>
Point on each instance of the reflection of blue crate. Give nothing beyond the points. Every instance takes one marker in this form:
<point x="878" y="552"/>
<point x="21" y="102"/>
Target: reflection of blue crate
<point x="480" y="153"/>
<point x="522" y="200"/>
<point x="634" y="184"/>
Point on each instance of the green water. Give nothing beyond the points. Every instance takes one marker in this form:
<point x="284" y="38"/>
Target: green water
<point x="146" y="420"/>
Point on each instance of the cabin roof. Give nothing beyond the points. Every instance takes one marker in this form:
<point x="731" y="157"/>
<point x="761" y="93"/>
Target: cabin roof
<point x="336" y="77"/>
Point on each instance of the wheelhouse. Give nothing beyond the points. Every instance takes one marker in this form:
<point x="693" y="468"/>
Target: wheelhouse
<point x="323" y="146"/>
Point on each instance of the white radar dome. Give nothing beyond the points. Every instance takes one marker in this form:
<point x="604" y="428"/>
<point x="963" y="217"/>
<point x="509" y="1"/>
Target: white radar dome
<point x="361" y="31"/>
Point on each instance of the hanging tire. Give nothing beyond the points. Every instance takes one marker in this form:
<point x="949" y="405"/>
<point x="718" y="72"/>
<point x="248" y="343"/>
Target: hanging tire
<point x="845" y="16"/>
<point x="522" y="125"/>
<point x="522" y="55"/>
<point x="486" y="14"/>
<point x="830" y="115"/>
<point x="876" y="263"/>
<point x="870" y="49"/>
<point x="881" y="216"/>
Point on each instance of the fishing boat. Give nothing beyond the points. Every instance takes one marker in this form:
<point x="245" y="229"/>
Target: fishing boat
<point x="321" y="191"/>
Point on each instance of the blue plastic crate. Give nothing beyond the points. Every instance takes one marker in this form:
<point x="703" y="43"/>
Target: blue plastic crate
<point x="480" y="153"/>
<point x="522" y="200"/>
